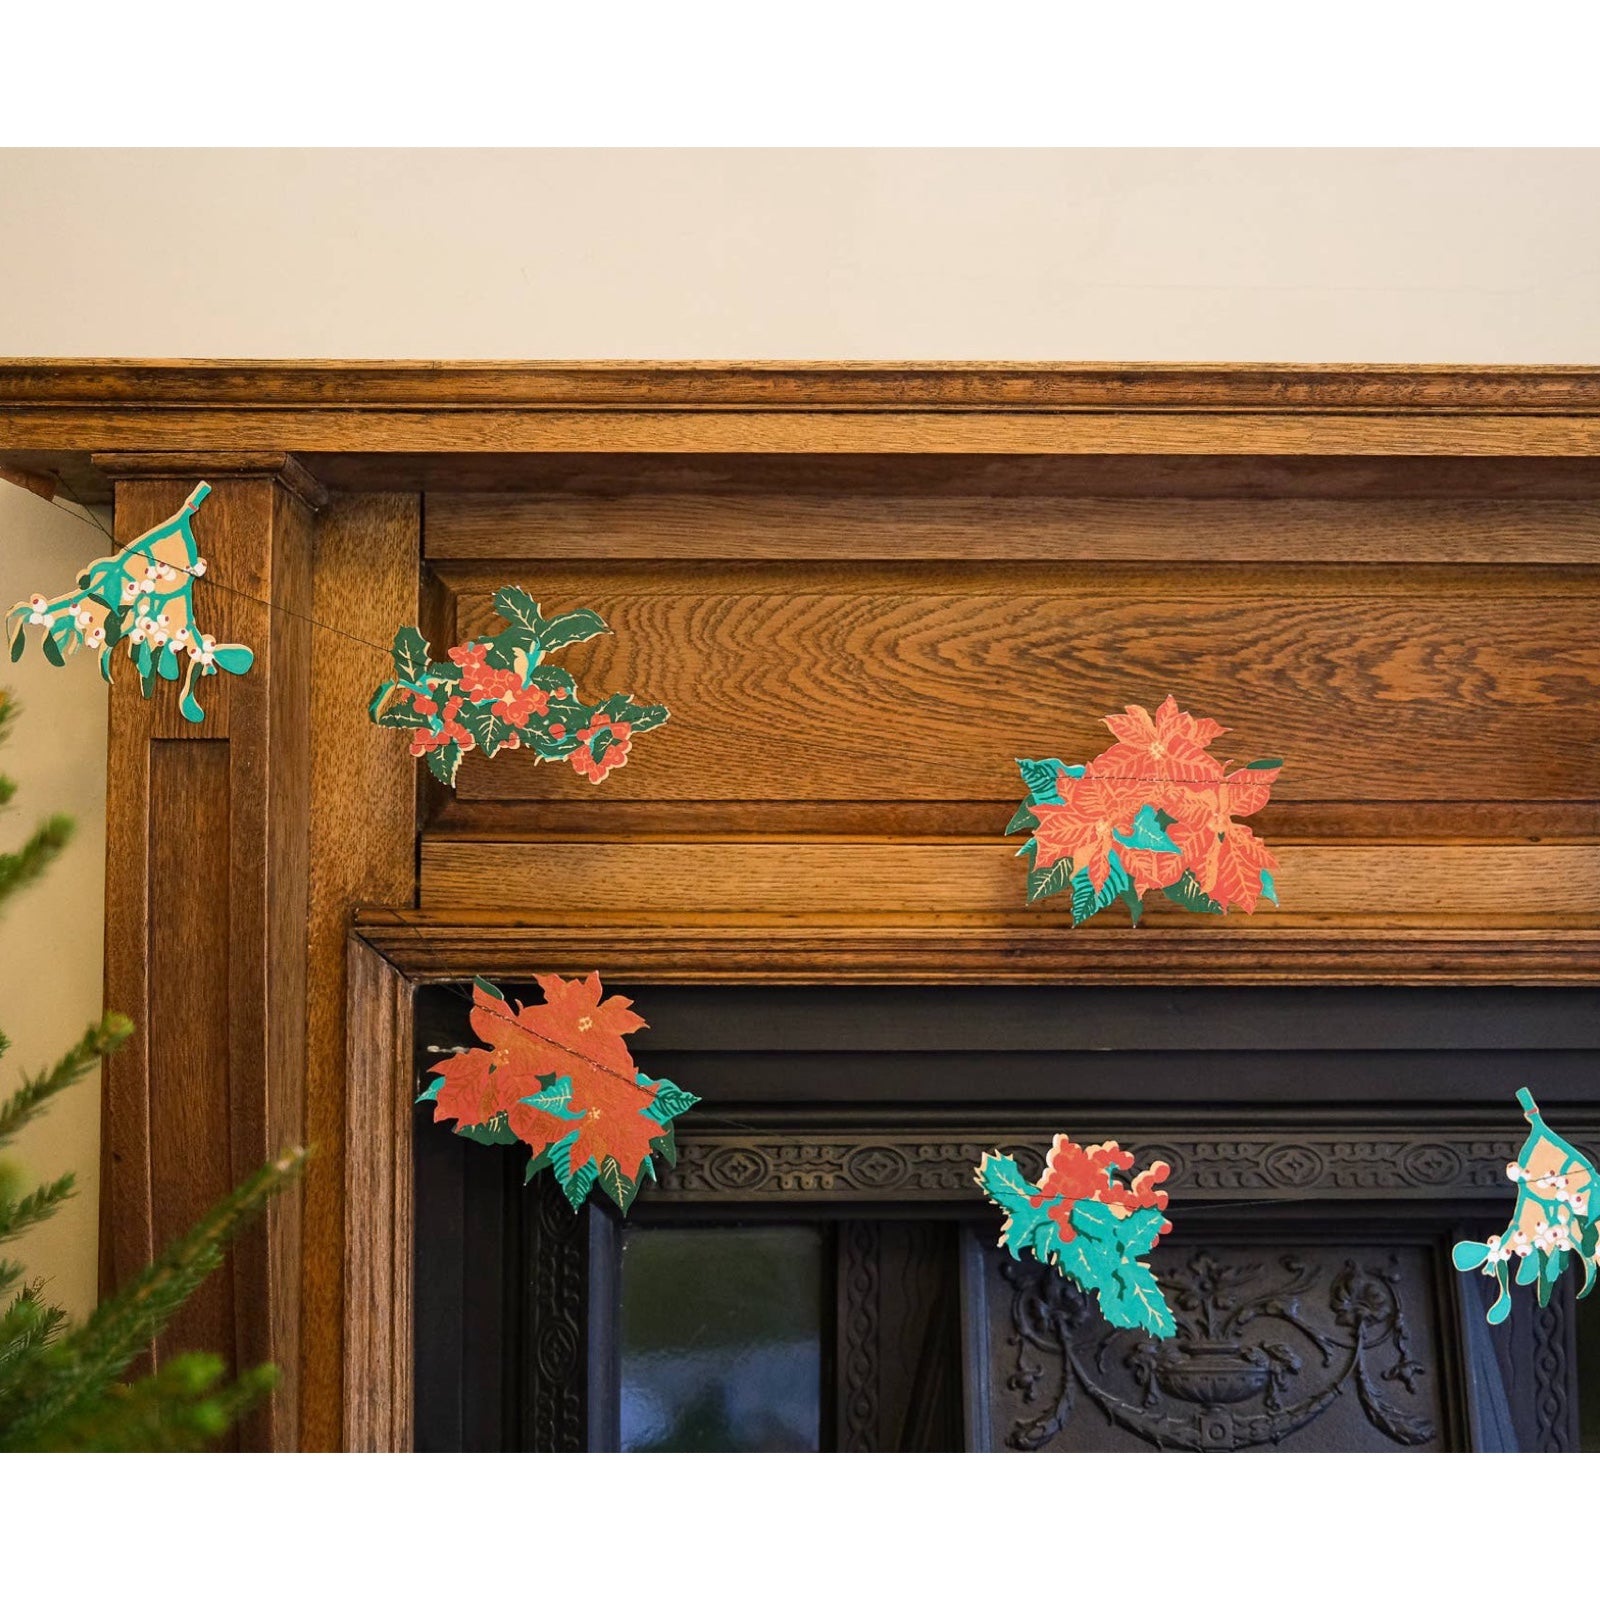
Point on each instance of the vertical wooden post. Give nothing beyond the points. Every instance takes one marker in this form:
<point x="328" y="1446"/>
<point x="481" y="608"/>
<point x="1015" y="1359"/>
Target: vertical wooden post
<point x="207" y="874"/>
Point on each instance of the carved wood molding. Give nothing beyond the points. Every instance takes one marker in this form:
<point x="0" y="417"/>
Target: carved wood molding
<point x="441" y="946"/>
<point x="55" y="414"/>
<point x="236" y="386"/>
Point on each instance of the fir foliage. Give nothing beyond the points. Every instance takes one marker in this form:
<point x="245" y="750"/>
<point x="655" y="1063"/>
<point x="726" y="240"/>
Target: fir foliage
<point x="68" y="1388"/>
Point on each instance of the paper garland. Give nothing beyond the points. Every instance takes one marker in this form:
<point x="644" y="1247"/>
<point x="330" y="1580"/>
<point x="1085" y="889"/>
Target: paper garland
<point x="559" y="1078"/>
<point x="495" y="693"/>
<point x="1551" y="1224"/>
<point x="143" y="594"/>
<point x="1083" y="1220"/>
<point x="1155" y="811"/>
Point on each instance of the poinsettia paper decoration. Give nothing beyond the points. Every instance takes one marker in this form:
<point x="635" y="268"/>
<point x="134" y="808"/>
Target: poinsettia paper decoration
<point x="143" y="594"/>
<point x="559" y="1077"/>
<point x="1552" y="1224"/>
<point x="1092" y="1227"/>
<point x="498" y="692"/>
<point x="1155" y="811"/>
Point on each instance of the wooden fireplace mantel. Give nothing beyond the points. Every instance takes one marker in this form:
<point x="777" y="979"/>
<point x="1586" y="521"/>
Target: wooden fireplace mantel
<point x="862" y="589"/>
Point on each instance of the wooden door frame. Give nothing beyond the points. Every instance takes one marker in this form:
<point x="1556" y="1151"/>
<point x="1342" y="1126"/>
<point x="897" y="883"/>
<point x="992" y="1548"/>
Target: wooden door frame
<point x="276" y="437"/>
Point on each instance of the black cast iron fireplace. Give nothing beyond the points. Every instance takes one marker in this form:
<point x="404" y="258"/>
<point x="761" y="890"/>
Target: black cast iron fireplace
<point x="819" y="1271"/>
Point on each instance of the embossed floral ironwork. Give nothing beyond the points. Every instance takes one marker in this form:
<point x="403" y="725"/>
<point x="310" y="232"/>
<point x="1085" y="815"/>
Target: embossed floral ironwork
<point x="1263" y="1350"/>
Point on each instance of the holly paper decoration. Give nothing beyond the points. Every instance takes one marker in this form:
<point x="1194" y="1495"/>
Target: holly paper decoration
<point x="1155" y="811"/>
<point x="143" y="594"/>
<point x="1551" y="1224"/>
<point x="1090" y="1225"/>
<point x="497" y="693"/>
<point x="559" y="1078"/>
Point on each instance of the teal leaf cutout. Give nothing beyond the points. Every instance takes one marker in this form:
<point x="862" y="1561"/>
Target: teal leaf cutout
<point x="1100" y="1250"/>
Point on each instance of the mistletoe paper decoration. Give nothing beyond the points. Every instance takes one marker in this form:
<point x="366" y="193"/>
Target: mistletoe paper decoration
<point x="497" y="693"/>
<point x="559" y="1078"/>
<point x="143" y="594"/>
<point x="1085" y="1221"/>
<point x="1551" y="1223"/>
<point x="1155" y="811"/>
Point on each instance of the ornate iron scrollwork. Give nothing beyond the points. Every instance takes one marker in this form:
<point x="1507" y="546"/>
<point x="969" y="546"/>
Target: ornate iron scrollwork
<point x="1262" y="1351"/>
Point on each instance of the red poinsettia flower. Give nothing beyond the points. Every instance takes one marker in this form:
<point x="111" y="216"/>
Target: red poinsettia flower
<point x="604" y="746"/>
<point x="1225" y="856"/>
<point x="1082" y="827"/>
<point x="1169" y="747"/>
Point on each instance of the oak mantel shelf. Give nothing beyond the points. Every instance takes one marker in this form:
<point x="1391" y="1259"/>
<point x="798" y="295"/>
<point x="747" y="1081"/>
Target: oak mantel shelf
<point x="56" y="415"/>
<point x="456" y="946"/>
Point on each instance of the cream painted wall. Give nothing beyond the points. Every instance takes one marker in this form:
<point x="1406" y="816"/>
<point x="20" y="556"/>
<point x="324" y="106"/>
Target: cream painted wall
<point x="1236" y="255"/>
<point x="1233" y="255"/>
<point x="50" y="934"/>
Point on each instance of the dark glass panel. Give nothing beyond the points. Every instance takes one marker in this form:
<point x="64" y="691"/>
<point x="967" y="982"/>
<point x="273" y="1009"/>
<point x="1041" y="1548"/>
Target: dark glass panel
<point x="722" y="1338"/>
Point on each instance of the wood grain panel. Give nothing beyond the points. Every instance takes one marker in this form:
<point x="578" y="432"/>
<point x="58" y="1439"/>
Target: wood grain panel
<point x="48" y="434"/>
<point x="186" y="1041"/>
<point x="1017" y="948"/>
<point x="230" y="827"/>
<point x="877" y="682"/>
<point x="363" y="849"/>
<point x="866" y="527"/>
<point x="1293" y="821"/>
<point x="378" y="1367"/>
<point x="225" y="385"/>
<point x="1392" y="884"/>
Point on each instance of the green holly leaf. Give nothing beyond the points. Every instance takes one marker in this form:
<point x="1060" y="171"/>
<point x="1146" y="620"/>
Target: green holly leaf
<point x="517" y="605"/>
<point x="444" y="762"/>
<point x="552" y="678"/>
<point x="410" y="655"/>
<point x="643" y="718"/>
<point x="665" y="1145"/>
<point x="571" y="627"/>
<point x="1001" y="1179"/>
<point x="1138" y="1233"/>
<point x="398" y="713"/>
<point x="1051" y="880"/>
<point x="490" y="733"/>
<point x="432" y="1091"/>
<point x="1135" y="1300"/>
<point x="511" y="649"/>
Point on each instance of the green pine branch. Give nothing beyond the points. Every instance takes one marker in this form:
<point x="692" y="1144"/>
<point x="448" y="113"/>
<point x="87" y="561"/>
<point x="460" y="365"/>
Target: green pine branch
<point x="72" y="1382"/>
<point x="110" y="1033"/>
<point x="21" y="867"/>
<point x="18" y="1215"/>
